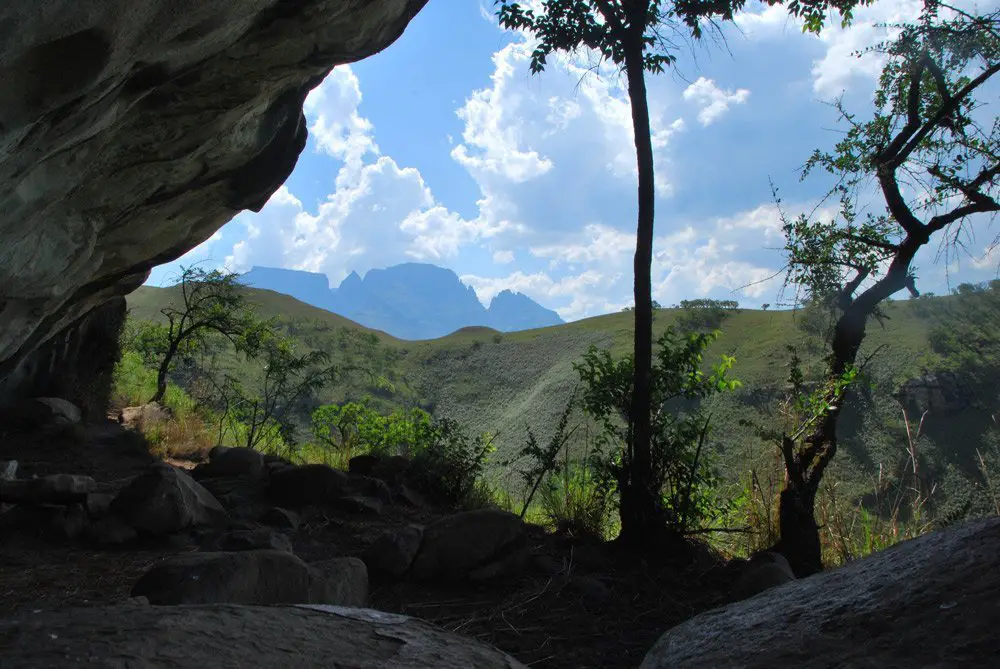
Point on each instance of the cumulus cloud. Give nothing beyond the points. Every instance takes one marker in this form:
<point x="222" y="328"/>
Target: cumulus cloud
<point x="714" y="101"/>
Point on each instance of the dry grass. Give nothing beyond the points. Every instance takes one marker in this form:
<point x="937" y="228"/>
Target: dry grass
<point x="184" y="437"/>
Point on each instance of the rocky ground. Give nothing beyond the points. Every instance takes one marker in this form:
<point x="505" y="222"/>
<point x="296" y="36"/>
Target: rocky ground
<point x="137" y="531"/>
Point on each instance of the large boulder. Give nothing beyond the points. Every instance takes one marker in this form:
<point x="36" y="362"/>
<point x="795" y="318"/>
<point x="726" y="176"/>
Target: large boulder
<point x="131" y="131"/>
<point x="192" y="637"/>
<point x="165" y="499"/>
<point x="455" y="546"/>
<point x="238" y="577"/>
<point x="928" y="602"/>
<point x="231" y="462"/>
<point x="346" y="578"/>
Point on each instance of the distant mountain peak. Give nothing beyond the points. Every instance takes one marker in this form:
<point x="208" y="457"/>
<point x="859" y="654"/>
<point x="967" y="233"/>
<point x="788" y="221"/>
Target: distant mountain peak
<point x="411" y="300"/>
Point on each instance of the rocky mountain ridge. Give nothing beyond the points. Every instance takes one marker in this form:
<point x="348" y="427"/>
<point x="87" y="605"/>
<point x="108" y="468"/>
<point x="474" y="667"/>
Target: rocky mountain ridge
<point x="408" y="301"/>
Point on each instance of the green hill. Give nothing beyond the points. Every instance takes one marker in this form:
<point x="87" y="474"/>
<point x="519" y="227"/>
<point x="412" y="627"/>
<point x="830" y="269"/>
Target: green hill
<point x="504" y="382"/>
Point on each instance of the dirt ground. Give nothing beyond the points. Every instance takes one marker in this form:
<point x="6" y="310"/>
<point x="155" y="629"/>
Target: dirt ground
<point x="592" y="606"/>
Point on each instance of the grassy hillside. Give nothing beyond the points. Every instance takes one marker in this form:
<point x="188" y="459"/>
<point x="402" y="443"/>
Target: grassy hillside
<point x="504" y="382"/>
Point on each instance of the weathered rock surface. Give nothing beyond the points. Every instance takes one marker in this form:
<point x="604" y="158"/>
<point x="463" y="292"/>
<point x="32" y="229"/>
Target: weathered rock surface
<point x="129" y="133"/>
<point x="929" y="602"/>
<point x="310" y="637"/>
<point x="457" y="545"/>
<point x="240" y="577"/>
<point x="165" y="499"/>
<point x="347" y="579"/>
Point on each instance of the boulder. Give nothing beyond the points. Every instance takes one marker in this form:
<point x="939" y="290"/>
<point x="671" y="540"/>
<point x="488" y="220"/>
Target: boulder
<point x="763" y="571"/>
<point x="54" y="489"/>
<point x="927" y="602"/>
<point x="247" y="540"/>
<point x="40" y="413"/>
<point x="391" y="469"/>
<point x="165" y="499"/>
<point x="307" y="484"/>
<point x="347" y="578"/>
<point x="193" y="637"/>
<point x="63" y="412"/>
<point x="281" y="518"/>
<point x="366" y="486"/>
<point x="8" y="470"/>
<point x="239" y="577"/>
<point x="232" y="462"/>
<point x="392" y="553"/>
<point x="454" y="546"/>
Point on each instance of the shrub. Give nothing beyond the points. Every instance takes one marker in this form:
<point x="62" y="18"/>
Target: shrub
<point x="450" y="465"/>
<point x="683" y="472"/>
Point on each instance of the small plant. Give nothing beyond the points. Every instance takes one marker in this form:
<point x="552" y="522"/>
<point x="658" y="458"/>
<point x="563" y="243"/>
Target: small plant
<point x="542" y="460"/>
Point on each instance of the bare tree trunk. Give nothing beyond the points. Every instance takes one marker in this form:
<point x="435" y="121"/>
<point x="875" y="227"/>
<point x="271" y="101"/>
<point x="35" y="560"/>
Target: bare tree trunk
<point x="639" y="503"/>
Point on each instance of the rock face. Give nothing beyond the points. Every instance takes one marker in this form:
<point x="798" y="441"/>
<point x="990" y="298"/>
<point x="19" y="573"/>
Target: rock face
<point x="130" y="132"/>
<point x="929" y="602"/>
<point x="237" y="636"/>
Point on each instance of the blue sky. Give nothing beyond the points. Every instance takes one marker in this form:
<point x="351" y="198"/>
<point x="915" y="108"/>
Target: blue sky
<point x="444" y="149"/>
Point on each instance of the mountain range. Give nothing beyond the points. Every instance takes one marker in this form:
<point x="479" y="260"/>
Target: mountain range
<point x="408" y="301"/>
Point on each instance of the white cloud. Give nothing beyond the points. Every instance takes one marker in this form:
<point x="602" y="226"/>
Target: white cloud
<point x="714" y="101"/>
<point x="503" y="257"/>
<point x="338" y="127"/>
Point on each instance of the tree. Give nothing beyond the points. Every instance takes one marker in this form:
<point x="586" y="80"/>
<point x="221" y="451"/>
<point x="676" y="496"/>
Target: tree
<point x="211" y="303"/>
<point x="935" y="163"/>
<point x="632" y="35"/>
<point x="262" y="403"/>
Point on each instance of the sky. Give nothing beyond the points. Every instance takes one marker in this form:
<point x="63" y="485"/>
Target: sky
<point x="444" y="149"/>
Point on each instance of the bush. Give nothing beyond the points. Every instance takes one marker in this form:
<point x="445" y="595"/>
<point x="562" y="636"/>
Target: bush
<point x="704" y="315"/>
<point x="449" y="466"/>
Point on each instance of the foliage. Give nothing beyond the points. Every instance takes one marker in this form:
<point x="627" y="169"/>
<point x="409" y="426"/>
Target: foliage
<point x="211" y="305"/>
<point x="575" y="502"/>
<point x="450" y="466"/>
<point x="965" y="336"/>
<point x="261" y="405"/>
<point x="542" y="460"/>
<point x="682" y="472"/>
<point x="355" y="428"/>
<point x="704" y="315"/>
